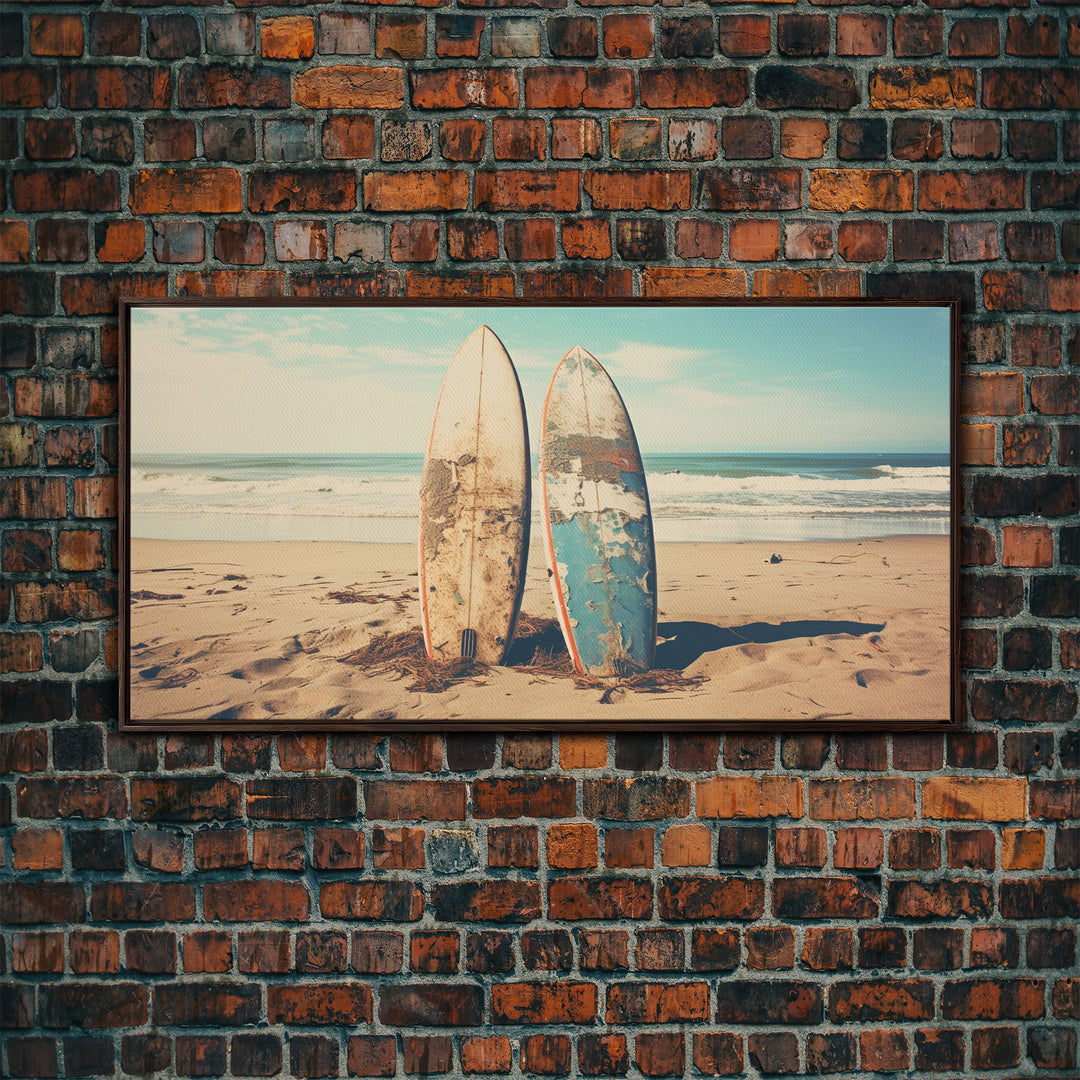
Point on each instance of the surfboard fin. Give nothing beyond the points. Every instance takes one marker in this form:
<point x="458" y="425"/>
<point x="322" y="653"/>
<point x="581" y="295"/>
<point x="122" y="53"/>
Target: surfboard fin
<point x="468" y="644"/>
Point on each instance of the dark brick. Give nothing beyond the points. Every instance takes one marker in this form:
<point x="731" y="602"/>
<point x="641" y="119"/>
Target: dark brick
<point x="87" y="1056"/>
<point x="431" y="1004"/>
<point x="861" y="140"/>
<point x="639" y="753"/>
<point x="803" y="35"/>
<point x="489" y="951"/>
<point x="572" y="37"/>
<point x="938" y="948"/>
<point x="769" y="1002"/>
<point x="97" y="849"/>
<point x="256" y="1055"/>
<point x="687" y="37"/>
<point x="806" y="87"/>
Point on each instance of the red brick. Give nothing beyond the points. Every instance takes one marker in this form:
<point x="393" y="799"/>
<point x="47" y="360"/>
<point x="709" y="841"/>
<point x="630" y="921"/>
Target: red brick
<point x="862" y="241"/>
<point x="187" y="191"/>
<point x="767" y="796"/>
<point x="476" y="284"/>
<point x="863" y="799"/>
<point x="434" y="952"/>
<point x="861" y="189"/>
<point x="517" y="139"/>
<point x="628" y="848"/>
<point x="350" y="87"/>
<point x="65" y="189"/>
<point x="415" y="800"/>
<point x="693" y="87"/>
<point x="462" y="139"/>
<point x="578" y="87"/>
<point x="575" y="139"/>
<point x="414" y="241"/>
<point x="718" y="1053"/>
<point x="349" y="137"/>
<point x="748" y="189"/>
<point x="529" y="240"/>
<point x="291" y="37"/>
<point x="458" y="35"/>
<point x="409" y="191"/>
<point x="56" y="35"/>
<point x="861" y="35"/>
<point x="207" y="951"/>
<point x="587" y="238"/>
<point x="546" y="1055"/>
<point x="627" y="37"/>
<point x="372" y="1055"/>
<point x="572" y="846"/>
<point x="513" y="797"/>
<point x="884" y="1051"/>
<point x="744" y="35"/>
<point x="608" y="898"/>
<point x="46" y="139"/>
<point x="513" y="846"/>
<point x="970" y="798"/>
<point x="401" y="37"/>
<point x="923" y="88"/>
<point x="89" y="1005"/>
<point x="15" y="241"/>
<point x="256" y="901"/>
<point x="660" y="1054"/>
<point x="389" y="901"/>
<point x="543" y="1003"/>
<point x="699" y="898"/>
<point x="974" y="37"/>
<point x="695" y="281"/>
<point x="397" y="848"/>
<point x="25" y="86"/>
<point x="34" y="952"/>
<point x="695" y="239"/>
<point x="377" y="951"/>
<point x="490" y="1054"/>
<point x="38" y="849"/>
<point x="465" y="88"/>
<point x="521" y="189"/>
<point x="320" y="1003"/>
<point x="94" y="952"/>
<point x="803" y="139"/>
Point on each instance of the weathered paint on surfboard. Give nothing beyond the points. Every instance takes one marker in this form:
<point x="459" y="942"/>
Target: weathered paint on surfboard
<point x="598" y="527"/>
<point x="474" y="505"/>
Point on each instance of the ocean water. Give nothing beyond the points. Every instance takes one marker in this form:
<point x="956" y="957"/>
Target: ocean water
<point x="374" y="498"/>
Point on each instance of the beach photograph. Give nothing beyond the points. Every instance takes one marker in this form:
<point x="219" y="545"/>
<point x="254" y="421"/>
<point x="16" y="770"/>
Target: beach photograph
<point x="798" y="476"/>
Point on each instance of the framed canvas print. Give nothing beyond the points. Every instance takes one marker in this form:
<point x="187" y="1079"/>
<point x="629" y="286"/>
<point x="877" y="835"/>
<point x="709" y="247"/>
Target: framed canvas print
<point x="615" y="516"/>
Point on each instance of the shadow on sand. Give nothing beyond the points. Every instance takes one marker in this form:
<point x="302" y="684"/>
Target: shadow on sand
<point x="688" y="641"/>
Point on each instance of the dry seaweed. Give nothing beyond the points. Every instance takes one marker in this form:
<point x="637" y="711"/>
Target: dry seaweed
<point x="146" y="594"/>
<point x="538" y="642"/>
<point x="404" y="655"/>
<point x="656" y="681"/>
<point x="351" y="596"/>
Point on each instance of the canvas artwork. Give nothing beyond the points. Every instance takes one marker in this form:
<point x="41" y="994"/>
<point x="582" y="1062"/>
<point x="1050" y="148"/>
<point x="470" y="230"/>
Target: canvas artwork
<point x="407" y="516"/>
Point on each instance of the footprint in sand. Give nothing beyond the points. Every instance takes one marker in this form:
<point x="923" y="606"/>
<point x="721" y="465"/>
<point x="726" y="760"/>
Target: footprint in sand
<point x="870" y="677"/>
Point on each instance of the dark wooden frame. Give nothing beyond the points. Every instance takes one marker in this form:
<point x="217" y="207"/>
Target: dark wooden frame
<point x="123" y="545"/>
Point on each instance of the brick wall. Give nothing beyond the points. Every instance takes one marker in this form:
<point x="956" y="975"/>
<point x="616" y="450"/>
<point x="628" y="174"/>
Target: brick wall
<point x="584" y="906"/>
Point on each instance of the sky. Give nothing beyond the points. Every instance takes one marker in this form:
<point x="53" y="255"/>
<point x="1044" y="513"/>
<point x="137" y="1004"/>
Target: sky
<point x="715" y="379"/>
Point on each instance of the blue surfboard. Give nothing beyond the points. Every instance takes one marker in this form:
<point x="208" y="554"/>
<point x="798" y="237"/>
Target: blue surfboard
<point x="597" y="524"/>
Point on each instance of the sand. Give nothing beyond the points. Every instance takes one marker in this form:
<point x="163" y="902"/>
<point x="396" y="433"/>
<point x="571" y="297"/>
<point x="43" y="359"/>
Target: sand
<point x="250" y="634"/>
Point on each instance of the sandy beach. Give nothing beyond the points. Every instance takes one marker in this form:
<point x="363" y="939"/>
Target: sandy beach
<point x="252" y="632"/>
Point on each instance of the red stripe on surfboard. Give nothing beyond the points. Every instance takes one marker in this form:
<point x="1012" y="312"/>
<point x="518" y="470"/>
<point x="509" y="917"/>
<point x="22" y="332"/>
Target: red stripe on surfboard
<point x="549" y="543"/>
<point x="425" y="628"/>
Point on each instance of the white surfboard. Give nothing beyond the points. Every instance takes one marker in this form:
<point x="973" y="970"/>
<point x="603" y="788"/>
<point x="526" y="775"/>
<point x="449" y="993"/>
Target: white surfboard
<point x="474" y="506"/>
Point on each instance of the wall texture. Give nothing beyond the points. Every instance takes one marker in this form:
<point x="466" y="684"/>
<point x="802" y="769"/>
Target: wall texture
<point x="586" y="906"/>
